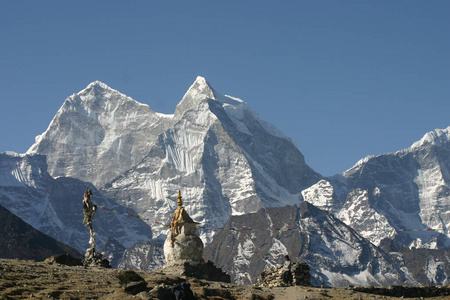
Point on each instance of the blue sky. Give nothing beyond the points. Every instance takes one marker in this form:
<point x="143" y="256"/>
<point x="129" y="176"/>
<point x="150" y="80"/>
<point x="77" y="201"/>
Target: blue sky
<point x="344" y="79"/>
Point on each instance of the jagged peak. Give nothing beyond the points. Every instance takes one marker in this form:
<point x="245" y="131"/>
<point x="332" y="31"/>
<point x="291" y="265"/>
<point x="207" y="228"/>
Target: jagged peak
<point x="359" y="164"/>
<point x="96" y="88"/>
<point x="99" y="84"/>
<point x="201" y="81"/>
<point x="199" y="91"/>
<point x="202" y="88"/>
<point x="435" y="137"/>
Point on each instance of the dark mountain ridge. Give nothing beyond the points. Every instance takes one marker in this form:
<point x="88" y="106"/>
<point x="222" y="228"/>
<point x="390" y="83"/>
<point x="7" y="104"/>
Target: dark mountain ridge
<point x="20" y="240"/>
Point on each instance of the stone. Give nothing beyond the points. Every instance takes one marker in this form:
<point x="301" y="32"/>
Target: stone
<point x="135" y="287"/>
<point x="95" y="259"/>
<point x="272" y="277"/>
<point x="64" y="259"/>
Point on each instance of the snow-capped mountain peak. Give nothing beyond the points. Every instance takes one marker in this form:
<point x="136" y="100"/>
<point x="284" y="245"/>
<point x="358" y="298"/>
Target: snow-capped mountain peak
<point x="97" y="92"/>
<point x="214" y="148"/>
<point x="435" y="137"/>
<point x="98" y="83"/>
<point x="407" y="190"/>
<point x="202" y="85"/>
<point x="98" y="120"/>
<point x="199" y="91"/>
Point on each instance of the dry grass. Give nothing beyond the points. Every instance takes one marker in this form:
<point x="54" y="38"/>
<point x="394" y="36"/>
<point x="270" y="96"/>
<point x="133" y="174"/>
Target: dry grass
<point x="20" y="279"/>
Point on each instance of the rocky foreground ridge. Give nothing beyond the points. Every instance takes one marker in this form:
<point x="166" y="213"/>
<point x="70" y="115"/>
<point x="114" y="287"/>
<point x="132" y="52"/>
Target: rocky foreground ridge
<point x="21" y="279"/>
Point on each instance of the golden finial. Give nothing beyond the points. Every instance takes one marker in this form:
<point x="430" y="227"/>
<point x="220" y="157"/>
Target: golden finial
<point x="180" y="203"/>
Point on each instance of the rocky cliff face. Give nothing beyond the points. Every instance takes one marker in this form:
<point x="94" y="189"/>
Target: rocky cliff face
<point x="143" y="256"/>
<point x="401" y="195"/>
<point x="336" y="255"/>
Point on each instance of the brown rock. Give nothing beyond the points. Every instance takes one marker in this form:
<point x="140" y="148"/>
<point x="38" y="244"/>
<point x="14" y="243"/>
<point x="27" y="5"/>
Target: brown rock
<point x="64" y="259"/>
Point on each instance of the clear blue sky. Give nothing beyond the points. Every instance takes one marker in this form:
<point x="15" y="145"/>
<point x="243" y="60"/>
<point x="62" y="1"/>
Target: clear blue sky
<point x="344" y="79"/>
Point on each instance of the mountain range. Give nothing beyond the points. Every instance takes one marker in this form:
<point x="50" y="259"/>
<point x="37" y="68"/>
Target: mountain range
<point x="232" y="167"/>
<point x="403" y="196"/>
<point x="54" y="205"/>
<point x="337" y="254"/>
<point x="222" y="156"/>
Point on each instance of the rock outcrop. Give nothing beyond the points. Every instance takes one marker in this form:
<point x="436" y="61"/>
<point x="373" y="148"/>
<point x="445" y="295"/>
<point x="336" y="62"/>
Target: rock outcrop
<point x="272" y="277"/>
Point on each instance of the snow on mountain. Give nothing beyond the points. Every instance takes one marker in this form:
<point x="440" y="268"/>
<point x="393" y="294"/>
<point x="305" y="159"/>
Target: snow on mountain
<point x="399" y="195"/>
<point x="144" y="256"/>
<point x="223" y="157"/>
<point x="198" y="92"/>
<point x="53" y="206"/>
<point x="98" y="134"/>
<point x="322" y="194"/>
<point x="227" y="161"/>
<point x="438" y="137"/>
